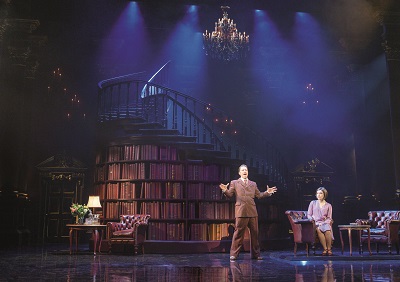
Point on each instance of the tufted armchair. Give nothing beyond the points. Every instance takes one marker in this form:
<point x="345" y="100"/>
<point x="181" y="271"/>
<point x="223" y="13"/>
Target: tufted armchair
<point x="384" y="228"/>
<point x="303" y="229"/>
<point x="131" y="230"/>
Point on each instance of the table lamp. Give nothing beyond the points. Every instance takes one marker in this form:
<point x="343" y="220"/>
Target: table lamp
<point x="94" y="202"/>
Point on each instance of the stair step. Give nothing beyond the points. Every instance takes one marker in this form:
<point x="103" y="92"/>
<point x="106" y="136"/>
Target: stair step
<point x="189" y="143"/>
<point x="215" y="152"/>
<point x="154" y="131"/>
<point x="142" y="125"/>
<point x="195" y="146"/>
<point x="206" y="152"/>
<point x="114" y="118"/>
<point x="156" y="139"/>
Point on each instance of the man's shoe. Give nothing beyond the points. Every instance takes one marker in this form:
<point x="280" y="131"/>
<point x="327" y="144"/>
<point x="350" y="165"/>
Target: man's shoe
<point x="258" y="258"/>
<point x="232" y="258"/>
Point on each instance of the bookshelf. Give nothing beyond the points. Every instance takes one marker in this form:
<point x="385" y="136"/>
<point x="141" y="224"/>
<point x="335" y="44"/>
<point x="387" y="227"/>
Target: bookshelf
<point x="181" y="195"/>
<point x="178" y="185"/>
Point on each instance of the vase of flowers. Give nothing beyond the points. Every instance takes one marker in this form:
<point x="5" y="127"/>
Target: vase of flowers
<point x="79" y="211"/>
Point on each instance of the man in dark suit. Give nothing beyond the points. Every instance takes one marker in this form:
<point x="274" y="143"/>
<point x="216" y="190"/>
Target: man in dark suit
<point x="246" y="215"/>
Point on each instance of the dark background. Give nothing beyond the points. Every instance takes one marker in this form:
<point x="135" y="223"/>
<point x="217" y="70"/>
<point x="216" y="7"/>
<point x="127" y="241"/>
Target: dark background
<point x="335" y="45"/>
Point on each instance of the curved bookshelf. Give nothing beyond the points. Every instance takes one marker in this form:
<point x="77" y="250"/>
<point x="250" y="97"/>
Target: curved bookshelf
<point x="180" y="195"/>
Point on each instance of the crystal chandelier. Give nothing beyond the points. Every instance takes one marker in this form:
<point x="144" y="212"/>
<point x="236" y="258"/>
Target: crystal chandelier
<point x="225" y="42"/>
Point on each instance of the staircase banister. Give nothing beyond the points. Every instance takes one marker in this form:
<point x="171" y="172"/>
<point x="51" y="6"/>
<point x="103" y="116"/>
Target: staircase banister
<point x="116" y="80"/>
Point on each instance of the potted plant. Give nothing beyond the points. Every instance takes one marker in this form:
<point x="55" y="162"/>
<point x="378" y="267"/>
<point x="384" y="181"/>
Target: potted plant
<point x="79" y="211"/>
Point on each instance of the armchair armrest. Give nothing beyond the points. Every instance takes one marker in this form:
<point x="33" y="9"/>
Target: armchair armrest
<point x="141" y="223"/>
<point x="303" y="220"/>
<point x="141" y="229"/>
<point x="114" y="225"/>
<point x="109" y="230"/>
<point x="392" y="227"/>
<point x="363" y="222"/>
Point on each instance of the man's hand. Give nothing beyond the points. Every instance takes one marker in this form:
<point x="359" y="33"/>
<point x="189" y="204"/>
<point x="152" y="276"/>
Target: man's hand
<point x="271" y="190"/>
<point x="224" y="187"/>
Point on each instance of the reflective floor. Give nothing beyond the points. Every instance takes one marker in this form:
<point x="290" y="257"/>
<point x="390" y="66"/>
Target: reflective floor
<point x="54" y="263"/>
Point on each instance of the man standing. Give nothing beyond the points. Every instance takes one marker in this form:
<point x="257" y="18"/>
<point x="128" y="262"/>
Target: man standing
<point x="245" y="211"/>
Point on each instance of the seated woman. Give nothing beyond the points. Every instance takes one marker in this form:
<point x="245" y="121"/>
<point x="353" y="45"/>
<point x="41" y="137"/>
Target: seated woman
<point x="321" y="212"/>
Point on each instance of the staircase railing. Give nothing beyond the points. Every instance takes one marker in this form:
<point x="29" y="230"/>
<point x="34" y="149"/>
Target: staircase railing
<point x="134" y="99"/>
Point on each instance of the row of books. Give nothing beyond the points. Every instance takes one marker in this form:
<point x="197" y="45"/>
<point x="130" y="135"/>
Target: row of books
<point x="211" y="232"/>
<point x="137" y="152"/>
<point x="129" y="207"/>
<point x="207" y="172"/>
<point x="167" y="171"/>
<point x="118" y="171"/>
<point x="209" y="210"/>
<point x="221" y="231"/>
<point x="163" y="171"/>
<point x="157" y="190"/>
<point x="166" y="231"/>
<point x="114" y="171"/>
<point x="204" y="191"/>
<point x="170" y="210"/>
<point x="132" y="171"/>
<point x="114" y="209"/>
<point x="198" y="232"/>
<point x="112" y="191"/>
<point x="163" y="210"/>
<point x="111" y="210"/>
<point x="127" y="190"/>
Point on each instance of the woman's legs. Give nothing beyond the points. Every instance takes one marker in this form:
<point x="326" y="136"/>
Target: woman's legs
<point x="322" y="240"/>
<point x="328" y="238"/>
<point x="325" y="238"/>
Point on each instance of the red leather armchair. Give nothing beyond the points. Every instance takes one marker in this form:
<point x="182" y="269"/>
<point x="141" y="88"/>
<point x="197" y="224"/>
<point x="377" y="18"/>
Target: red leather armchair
<point x="303" y="229"/>
<point x="384" y="228"/>
<point x="131" y="230"/>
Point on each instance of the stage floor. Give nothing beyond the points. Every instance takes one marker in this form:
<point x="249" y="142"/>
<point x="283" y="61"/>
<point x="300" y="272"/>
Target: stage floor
<point x="54" y="263"/>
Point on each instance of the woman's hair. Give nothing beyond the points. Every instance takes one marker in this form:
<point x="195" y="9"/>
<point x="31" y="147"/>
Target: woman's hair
<point x="323" y="191"/>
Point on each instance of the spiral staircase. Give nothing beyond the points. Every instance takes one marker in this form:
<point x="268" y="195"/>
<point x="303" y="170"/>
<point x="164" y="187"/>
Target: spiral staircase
<point x="131" y="107"/>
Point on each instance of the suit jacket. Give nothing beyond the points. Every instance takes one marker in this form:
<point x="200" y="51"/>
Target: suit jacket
<point x="245" y="194"/>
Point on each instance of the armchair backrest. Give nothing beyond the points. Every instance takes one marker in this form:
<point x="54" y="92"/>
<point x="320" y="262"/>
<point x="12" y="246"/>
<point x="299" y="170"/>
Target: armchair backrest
<point x="131" y="220"/>
<point x="296" y="215"/>
<point x="303" y="228"/>
<point x="377" y="219"/>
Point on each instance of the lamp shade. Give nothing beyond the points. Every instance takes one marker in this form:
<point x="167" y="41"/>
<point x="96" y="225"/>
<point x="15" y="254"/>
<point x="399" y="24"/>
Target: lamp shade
<point x="94" y="202"/>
